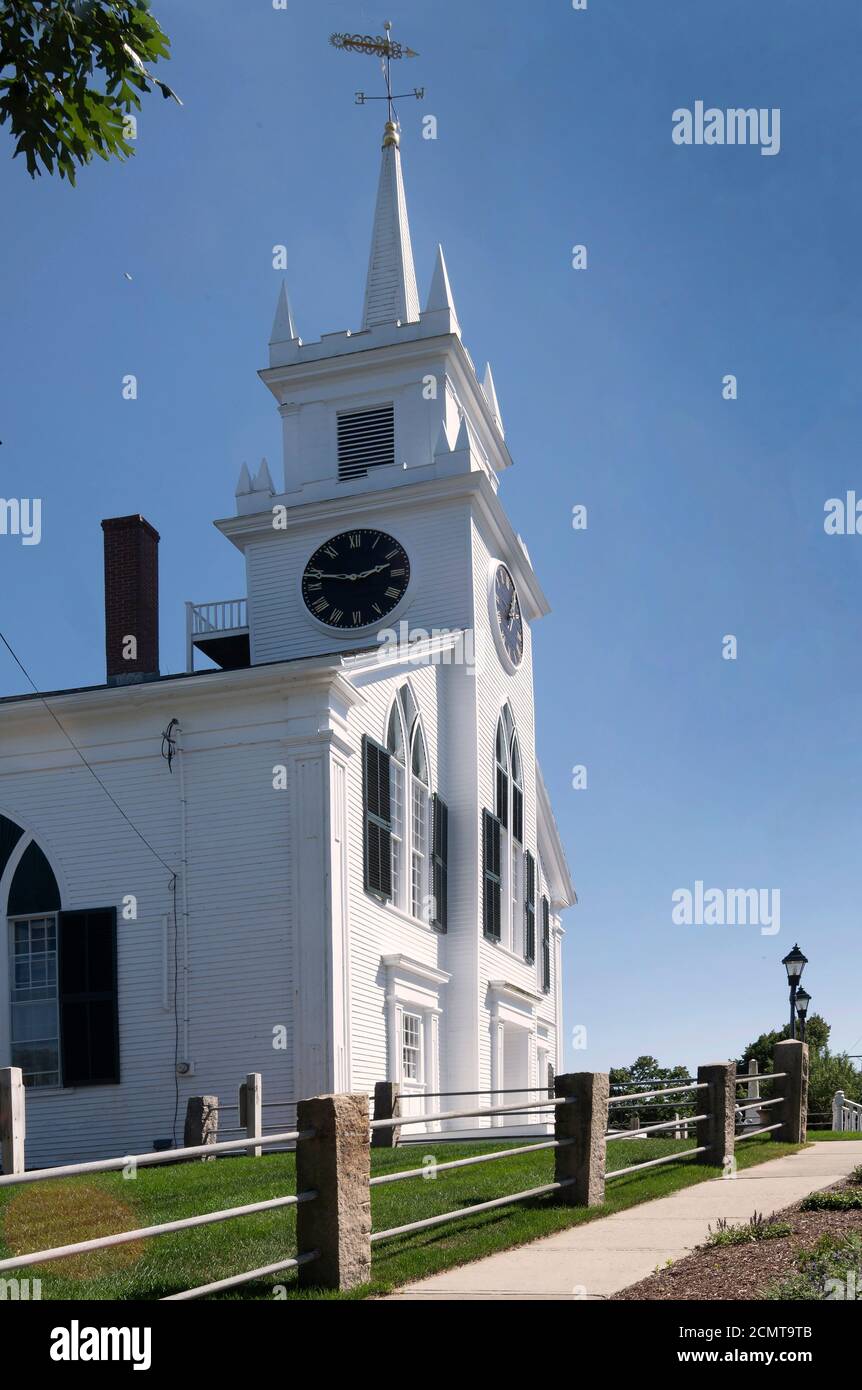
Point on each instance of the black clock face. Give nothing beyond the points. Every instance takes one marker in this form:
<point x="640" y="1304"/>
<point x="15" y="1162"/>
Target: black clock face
<point x="355" y="579"/>
<point x="508" y="610"/>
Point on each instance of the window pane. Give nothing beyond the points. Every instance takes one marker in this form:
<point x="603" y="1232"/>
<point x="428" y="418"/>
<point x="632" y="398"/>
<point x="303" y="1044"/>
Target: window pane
<point x="411" y="1047"/>
<point x="34" y="1031"/>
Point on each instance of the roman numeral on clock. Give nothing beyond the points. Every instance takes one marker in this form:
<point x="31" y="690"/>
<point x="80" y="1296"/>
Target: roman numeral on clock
<point x="356" y="617"/>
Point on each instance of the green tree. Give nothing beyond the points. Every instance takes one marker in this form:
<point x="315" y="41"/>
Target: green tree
<point x="830" y="1072"/>
<point x="817" y="1032"/>
<point x="71" y="71"/>
<point x="645" y="1074"/>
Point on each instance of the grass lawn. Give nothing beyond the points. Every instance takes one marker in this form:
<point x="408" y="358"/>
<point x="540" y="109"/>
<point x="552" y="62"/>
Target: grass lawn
<point x="825" y="1135"/>
<point x="38" y="1215"/>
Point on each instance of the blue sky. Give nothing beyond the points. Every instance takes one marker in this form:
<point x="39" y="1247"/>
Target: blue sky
<point x="705" y="515"/>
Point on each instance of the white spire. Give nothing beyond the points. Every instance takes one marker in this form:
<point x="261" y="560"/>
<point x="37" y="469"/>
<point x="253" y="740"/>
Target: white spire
<point x="283" y="326"/>
<point x="390" y="290"/>
<point x="440" y="300"/>
<point x="491" y="397"/>
<point x="243" y="487"/>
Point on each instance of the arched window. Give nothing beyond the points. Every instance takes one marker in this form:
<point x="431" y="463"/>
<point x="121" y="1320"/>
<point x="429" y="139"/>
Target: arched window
<point x="63" y="974"/>
<point x="417" y="821"/>
<point x="421" y="812"/>
<point x="32" y="904"/>
<point x="397" y="779"/>
<point x="509" y="870"/>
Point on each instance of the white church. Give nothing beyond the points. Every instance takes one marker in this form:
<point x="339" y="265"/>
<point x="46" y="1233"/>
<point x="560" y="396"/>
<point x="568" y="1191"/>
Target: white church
<point x="330" y="856"/>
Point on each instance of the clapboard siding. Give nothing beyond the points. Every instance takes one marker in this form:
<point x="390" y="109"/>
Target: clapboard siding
<point x="239" y="926"/>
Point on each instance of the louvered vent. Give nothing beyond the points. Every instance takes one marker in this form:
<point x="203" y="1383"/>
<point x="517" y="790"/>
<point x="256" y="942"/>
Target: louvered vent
<point x="366" y="439"/>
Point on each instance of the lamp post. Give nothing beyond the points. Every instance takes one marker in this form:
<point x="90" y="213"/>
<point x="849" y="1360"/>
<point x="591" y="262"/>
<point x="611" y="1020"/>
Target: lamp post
<point x="794" y="963"/>
<point x="803" y="999"/>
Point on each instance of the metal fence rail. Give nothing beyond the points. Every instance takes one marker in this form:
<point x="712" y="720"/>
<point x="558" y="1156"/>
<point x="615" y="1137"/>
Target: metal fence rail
<point x="665" y="1091"/>
<point x="399" y="1121"/>
<point x="236" y="1279"/>
<point x="187" y="1223"/>
<point x="469" y="1211"/>
<point x="654" y="1162"/>
<point x="403" y="1174"/>
<point x="109" y="1165"/>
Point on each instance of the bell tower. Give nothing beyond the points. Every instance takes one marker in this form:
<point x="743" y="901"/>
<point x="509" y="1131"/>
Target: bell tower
<point x="387" y="431"/>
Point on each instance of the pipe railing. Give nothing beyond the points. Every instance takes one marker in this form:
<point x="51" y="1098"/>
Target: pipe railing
<point x="651" y="1129"/>
<point x="767" y="1129"/>
<point x="187" y="1223"/>
<point x="399" y="1121"/>
<point x="456" y="1215"/>
<point x="665" y="1091"/>
<point x="402" y="1175"/>
<point x="109" y="1165"/>
<point x="654" y="1162"/>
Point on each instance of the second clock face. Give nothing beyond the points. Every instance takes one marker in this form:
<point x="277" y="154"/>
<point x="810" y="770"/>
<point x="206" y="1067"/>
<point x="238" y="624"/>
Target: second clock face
<point x="510" y="624"/>
<point x="355" y="579"/>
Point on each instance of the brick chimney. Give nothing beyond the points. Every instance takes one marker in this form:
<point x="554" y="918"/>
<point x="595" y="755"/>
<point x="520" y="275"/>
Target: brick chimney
<point x="131" y="600"/>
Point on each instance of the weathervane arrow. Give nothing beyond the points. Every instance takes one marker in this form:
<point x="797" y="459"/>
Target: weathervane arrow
<point x="385" y="48"/>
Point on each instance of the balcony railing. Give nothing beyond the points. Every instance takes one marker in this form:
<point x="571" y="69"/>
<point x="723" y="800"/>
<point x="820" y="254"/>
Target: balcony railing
<point x="226" y="618"/>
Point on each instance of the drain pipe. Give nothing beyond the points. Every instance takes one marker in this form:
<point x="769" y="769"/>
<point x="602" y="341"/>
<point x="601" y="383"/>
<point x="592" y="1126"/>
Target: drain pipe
<point x="184" y="860"/>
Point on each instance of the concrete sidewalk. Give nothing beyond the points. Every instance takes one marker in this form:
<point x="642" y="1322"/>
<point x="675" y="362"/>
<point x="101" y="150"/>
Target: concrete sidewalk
<point x="612" y="1252"/>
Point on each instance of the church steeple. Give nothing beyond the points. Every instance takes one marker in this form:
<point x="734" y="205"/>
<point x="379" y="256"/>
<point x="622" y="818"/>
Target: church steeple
<point x="391" y="294"/>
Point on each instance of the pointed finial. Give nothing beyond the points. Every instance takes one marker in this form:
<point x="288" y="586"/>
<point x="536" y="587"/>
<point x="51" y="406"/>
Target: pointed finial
<point x="244" y="485"/>
<point x="490" y="391"/>
<point x="263" y="479"/>
<point x="283" y="326"/>
<point x="443" y="448"/>
<point x="440" y="298"/>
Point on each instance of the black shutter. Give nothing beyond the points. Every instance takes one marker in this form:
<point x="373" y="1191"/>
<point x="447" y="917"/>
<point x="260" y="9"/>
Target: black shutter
<point x="517" y="814"/>
<point x="89" y="1026"/>
<point x="530" y="908"/>
<point x="546" y="945"/>
<point x="440" y="862"/>
<point x="377" y="817"/>
<point x="491" y="886"/>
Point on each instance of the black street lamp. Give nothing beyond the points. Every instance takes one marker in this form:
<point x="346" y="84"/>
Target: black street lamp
<point x="803" y="999"/>
<point x="794" y="963"/>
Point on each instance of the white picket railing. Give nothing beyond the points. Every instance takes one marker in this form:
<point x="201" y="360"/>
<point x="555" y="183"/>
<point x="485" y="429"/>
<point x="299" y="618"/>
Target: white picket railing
<point x="846" y="1114"/>
<point x="213" y="620"/>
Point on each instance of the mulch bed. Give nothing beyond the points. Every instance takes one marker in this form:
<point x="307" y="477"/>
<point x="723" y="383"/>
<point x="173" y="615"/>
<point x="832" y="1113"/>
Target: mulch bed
<point x="745" y="1271"/>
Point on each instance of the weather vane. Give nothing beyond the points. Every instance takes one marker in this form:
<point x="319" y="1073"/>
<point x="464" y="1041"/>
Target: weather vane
<point x="386" y="49"/>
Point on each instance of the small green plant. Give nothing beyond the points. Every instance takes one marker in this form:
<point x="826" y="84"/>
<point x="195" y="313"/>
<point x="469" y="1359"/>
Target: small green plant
<point x="856" y="1175"/>
<point x="831" y="1271"/>
<point x="833" y="1201"/>
<point x="756" y="1228"/>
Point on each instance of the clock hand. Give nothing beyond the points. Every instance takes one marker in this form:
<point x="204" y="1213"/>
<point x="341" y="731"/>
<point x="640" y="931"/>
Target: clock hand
<point x="366" y="574"/>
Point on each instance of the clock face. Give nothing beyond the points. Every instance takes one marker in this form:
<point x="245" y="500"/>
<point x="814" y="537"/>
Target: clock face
<point x="355" y="579"/>
<point x="508" y="610"/>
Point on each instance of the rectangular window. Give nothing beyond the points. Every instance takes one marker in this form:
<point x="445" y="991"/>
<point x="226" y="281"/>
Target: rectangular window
<point x="530" y="910"/>
<point x="35" y="1010"/>
<point x="411" y="1047"/>
<point x="397" y="832"/>
<point x="87" y="971"/>
<point x="366" y="439"/>
<point x="419" y="875"/>
<point x="377" y="803"/>
<point x="491" y="875"/>
<point x="546" y="946"/>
